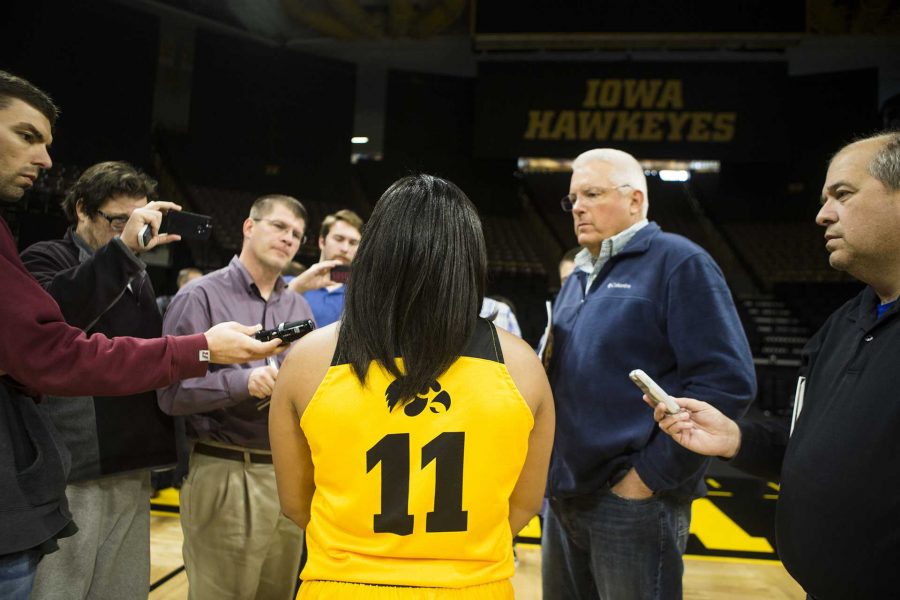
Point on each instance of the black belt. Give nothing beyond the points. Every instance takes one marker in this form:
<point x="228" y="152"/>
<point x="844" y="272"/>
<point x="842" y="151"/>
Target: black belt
<point x="239" y="455"/>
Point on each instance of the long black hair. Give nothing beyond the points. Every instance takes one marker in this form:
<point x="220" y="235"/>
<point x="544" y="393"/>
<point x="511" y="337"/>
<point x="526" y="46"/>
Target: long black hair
<point x="417" y="284"/>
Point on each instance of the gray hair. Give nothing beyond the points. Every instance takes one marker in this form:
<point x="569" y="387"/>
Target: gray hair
<point x="626" y="169"/>
<point x="885" y="165"/>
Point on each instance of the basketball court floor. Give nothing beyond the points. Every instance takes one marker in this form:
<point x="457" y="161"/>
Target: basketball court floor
<point x="730" y="554"/>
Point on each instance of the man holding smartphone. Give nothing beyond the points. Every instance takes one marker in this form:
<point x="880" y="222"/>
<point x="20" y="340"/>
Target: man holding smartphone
<point x="230" y="514"/>
<point x="837" y="523"/>
<point x="95" y="275"/>
<point x="339" y="238"/>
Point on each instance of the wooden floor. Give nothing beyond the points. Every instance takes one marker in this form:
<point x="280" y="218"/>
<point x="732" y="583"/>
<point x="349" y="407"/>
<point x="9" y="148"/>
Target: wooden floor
<point x="704" y="578"/>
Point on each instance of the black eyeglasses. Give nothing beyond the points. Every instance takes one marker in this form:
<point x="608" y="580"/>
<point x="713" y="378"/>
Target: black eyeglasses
<point x="281" y="227"/>
<point x="589" y="196"/>
<point x="117" y="222"/>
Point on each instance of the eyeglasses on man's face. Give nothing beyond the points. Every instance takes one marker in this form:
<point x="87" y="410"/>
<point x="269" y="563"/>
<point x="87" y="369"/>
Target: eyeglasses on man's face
<point x="589" y="196"/>
<point x="282" y="228"/>
<point x="116" y="222"/>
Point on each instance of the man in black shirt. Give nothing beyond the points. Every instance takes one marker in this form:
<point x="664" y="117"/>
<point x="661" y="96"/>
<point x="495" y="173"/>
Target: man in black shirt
<point x="838" y="518"/>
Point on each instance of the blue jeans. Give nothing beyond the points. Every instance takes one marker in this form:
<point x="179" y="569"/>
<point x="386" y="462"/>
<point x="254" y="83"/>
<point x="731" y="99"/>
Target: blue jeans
<point x="605" y="547"/>
<point x="17" y="574"/>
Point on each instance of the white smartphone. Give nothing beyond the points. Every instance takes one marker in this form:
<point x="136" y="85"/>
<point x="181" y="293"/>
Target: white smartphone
<point x="653" y="391"/>
<point x="145" y="235"/>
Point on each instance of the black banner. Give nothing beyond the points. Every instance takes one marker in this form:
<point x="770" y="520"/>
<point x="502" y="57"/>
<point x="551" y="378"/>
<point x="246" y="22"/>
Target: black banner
<point x="653" y="110"/>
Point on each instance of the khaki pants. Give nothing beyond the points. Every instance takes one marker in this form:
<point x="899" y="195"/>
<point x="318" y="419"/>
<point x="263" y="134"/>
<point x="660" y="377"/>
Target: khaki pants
<point x="237" y="544"/>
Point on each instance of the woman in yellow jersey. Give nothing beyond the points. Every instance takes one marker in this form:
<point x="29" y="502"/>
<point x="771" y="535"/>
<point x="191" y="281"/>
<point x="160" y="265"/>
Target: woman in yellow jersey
<point x="411" y="439"/>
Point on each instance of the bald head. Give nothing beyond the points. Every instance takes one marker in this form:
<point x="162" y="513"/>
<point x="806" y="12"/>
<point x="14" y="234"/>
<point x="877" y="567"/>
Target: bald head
<point x="626" y="170"/>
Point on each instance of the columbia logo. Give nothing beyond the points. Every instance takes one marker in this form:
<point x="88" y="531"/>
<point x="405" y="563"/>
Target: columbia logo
<point x="614" y="284"/>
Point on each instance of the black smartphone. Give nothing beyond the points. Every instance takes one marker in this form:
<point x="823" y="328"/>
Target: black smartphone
<point x="286" y="332"/>
<point x="340" y="274"/>
<point x="190" y="226"/>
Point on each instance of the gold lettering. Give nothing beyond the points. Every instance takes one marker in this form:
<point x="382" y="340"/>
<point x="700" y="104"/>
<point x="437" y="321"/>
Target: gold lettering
<point x="627" y="125"/>
<point x="652" y="132"/>
<point x="699" y="130"/>
<point x="677" y="122"/>
<point x="590" y="98"/>
<point x="671" y="96"/>
<point x="539" y="122"/>
<point x="565" y="126"/>
<point x="594" y="125"/>
<point x="723" y="127"/>
<point x="641" y="91"/>
<point x="610" y="93"/>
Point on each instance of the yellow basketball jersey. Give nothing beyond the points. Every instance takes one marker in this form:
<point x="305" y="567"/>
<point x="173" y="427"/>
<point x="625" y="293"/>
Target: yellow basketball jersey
<point x="417" y="495"/>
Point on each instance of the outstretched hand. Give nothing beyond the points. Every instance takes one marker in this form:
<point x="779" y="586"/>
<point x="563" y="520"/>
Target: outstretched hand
<point x="233" y="343"/>
<point x="699" y="427"/>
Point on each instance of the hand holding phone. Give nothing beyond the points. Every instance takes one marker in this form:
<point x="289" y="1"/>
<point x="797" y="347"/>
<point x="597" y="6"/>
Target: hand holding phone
<point x="138" y="231"/>
<point x="145" y="235"/>
<point x="286" y="332"/>
<point x="186" y="225"/>
<point x="653" y="391"/>
<point x="316" y="277"/>
<point x="340" y="273"/>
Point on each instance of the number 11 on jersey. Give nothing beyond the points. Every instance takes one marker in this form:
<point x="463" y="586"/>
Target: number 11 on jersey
<point x="447" y="452"/>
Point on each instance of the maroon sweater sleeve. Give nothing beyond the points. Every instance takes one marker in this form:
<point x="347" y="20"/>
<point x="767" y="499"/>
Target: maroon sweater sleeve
<point x="39" y="350"/>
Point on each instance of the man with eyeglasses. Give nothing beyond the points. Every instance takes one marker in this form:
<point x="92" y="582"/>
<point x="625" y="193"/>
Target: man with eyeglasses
<point x="237" y="544"/>
<point x="95" y="275"/>
<point x="619" y="491"/>
<point x="339" y="237"/>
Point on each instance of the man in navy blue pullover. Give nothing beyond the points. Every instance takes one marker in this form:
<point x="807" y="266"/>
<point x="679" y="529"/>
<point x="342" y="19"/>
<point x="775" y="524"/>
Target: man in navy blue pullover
<point x="620" y="492"/>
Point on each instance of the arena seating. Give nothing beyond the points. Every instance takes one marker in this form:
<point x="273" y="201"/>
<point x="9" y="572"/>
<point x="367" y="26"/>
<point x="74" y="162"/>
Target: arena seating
<point x="813" y="302"/>
<point x="778" y="326"/>
<point x="545" y="191"/>
<point x="784" y="251"/>
<point x="510" y="247"/>
<point x="776" y="338"/>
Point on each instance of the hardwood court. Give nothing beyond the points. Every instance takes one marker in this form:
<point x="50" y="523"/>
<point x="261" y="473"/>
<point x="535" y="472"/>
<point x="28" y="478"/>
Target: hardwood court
<point x="730" y="552"/>
<point x="704" y="578"/>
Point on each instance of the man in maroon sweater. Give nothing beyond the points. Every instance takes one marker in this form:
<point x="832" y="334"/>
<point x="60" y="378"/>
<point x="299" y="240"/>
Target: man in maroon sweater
<point x="40" y="353"/>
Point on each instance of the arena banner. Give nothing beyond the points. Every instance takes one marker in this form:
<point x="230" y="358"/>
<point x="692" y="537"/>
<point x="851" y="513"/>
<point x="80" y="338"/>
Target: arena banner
<point x="725" y="111"/>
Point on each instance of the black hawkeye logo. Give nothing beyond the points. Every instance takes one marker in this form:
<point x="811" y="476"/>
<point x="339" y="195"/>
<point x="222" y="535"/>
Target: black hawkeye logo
<point x="432" y="397"/>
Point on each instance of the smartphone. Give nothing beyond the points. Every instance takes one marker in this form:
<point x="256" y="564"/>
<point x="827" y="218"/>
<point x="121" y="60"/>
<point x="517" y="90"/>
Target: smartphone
<point x="286" y="332"/>
<point x="190" y="226"/>
<point x="340" y="274"/>
<point x="653" y="391"/>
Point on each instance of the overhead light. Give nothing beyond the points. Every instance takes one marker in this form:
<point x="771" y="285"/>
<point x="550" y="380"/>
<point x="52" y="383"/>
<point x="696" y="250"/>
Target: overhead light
<point x="359" y="139"/>
<point x="674" y="175"/>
